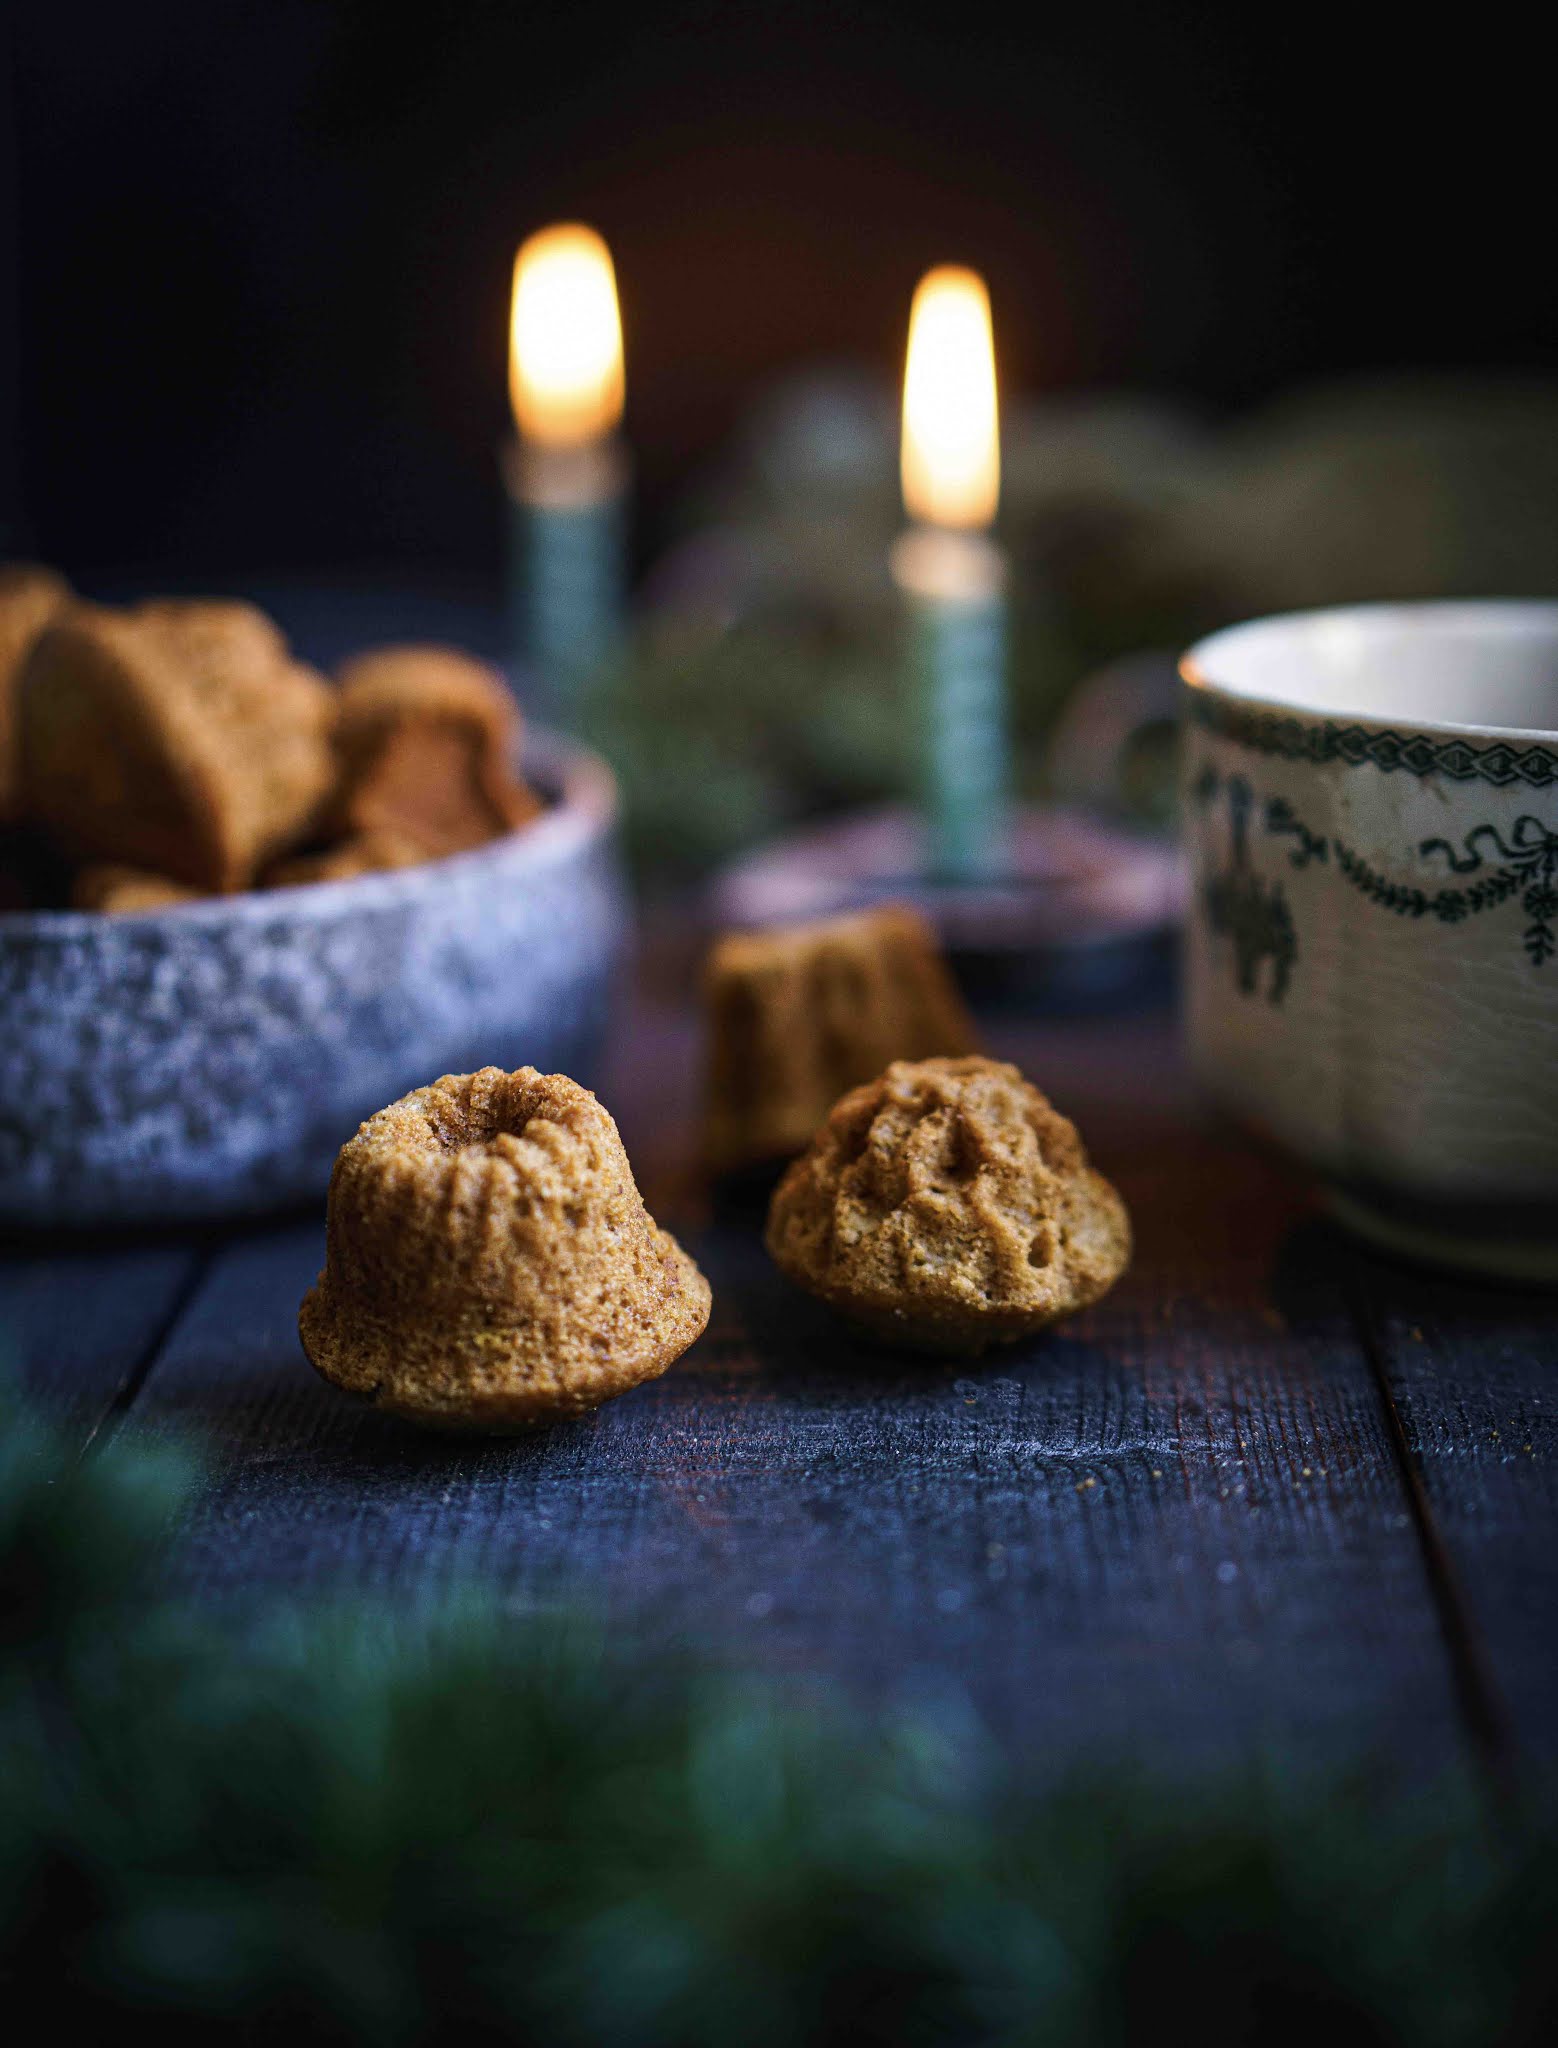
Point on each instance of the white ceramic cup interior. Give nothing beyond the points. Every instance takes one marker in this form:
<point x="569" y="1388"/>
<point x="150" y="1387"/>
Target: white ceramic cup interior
<point x="1487" y="668"/>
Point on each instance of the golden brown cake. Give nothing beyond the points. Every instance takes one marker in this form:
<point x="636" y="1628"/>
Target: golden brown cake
<point x="120" y="889"/>
<point x="490" y="1262"/>
<point x="177" y="737"/>
<point x="946" y="1206"/>
<point x="370" y="853"/>
<point x="427" y="740"/>
<point x="29" y="598"/>
<point x="799" y="1014"/>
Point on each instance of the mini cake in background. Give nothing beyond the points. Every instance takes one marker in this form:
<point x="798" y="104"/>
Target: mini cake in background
<point x="120" y="890"/>
<point x="180" y="738"/>
<point x="490" y="1263"/>
<point x="29" y="598"/>
<point x="427" y="741"/>
<point x="947" y="1207"/>
<point x="798" y="1014"/>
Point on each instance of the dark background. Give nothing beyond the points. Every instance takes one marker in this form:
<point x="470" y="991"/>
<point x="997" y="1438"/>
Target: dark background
<point x="256" y="257"/>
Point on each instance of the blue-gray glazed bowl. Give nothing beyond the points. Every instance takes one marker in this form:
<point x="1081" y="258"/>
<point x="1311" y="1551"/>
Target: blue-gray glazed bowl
<point x="209" y="1060"/>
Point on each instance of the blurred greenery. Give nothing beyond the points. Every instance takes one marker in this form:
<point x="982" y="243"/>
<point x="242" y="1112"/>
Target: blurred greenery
<point x="764" y="683"/>
<point x="357" y="1830"/>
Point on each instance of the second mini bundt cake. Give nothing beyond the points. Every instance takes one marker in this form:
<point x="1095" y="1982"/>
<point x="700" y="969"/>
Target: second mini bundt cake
<point x="946" y="1207"/>
<point x="427" y="741"/>
<point x="178" y="737"/>
<point x="490" y="1261"/>
<point x="798" y="1014"/>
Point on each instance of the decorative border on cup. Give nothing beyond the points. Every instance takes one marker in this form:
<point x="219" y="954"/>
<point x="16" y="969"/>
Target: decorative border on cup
<point x="1500" y="764"/>
<point x="1241" y="905"/>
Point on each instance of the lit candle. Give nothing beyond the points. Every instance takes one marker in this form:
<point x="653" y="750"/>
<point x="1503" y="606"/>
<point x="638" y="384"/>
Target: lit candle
<point x="952" y="574"/>
<point x="566" y="472"/>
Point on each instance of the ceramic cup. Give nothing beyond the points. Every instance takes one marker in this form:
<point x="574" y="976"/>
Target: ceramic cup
<point x="1371" y="819"/>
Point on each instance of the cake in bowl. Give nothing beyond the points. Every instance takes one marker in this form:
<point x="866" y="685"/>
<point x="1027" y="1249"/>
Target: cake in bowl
<point x="490" y="1263"/>
<point x="110" y="886"/>
<point x="178" y="738"/>
<point x="426" y="738"/>
<point x="181" y="742"/>
<point x="208" y="977"/>
<point x="30" y="595"/>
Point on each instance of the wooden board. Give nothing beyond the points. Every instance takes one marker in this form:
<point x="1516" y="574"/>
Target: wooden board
<point x="1177" y="1526"/>
<point x="1472" y="1377"/>
<point x="1272" y="1498"/>
<point x="82" y="1319"/>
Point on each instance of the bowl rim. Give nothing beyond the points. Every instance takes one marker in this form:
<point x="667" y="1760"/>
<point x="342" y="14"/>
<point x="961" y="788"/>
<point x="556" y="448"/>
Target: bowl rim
<point x="1509" y="615"/>
<point x="584" y="809"/>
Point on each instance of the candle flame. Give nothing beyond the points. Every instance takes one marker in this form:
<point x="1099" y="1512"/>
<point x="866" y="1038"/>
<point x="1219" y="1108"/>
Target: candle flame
<point x="951" y="457"/>
<point x="565" y="339"/>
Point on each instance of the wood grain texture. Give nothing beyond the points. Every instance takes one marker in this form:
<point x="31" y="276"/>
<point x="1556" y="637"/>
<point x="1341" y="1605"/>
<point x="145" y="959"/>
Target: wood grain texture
<point x="81" y="1319"/>
<point x="1472" y="1378"/>
<point x="1176" y="1528"/>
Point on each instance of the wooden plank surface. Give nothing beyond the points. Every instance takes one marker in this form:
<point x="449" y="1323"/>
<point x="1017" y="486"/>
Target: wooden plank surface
<point x="1273" y="1496"/>
<point x="1472" y="1377"/>
<point x="81" y="1319"/>
<point x="1177" y="1525"/>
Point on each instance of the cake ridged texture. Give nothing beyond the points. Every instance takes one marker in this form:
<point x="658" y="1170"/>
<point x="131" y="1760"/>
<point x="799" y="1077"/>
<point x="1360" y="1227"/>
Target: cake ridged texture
<point x="947" y="1206"/>
<point x="178" y="737"/>
<point x="799" y="1014"/>
<point x="490" y="1263"/>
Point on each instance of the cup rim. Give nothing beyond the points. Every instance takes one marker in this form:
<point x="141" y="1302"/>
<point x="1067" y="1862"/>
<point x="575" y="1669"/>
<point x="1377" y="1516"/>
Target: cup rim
<point x="1510" y="615"/>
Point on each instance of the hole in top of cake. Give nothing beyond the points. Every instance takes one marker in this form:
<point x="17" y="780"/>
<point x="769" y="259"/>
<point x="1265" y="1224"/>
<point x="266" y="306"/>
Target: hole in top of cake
<point x="483" y="1112"/>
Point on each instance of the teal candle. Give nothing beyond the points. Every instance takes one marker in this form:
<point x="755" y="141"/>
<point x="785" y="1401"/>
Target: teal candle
<point x="953" y="576"/>
<point x="566" y="473"/>
<point x="567" y="566"/>
<point x="953" y="587"/>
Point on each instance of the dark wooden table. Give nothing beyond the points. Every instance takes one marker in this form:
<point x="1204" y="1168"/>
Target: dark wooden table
<point x="1274" y="1498"/>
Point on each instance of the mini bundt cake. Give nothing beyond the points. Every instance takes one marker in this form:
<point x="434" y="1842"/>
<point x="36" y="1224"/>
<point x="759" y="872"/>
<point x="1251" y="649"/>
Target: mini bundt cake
<point x="120" y="890"/>
<point x="177" y="737"/>
<point x="946" y="1206"/>
<point x="29" y="598"/>
<point x="426" y="740"/>
<point x="798" y="1014"/>
<point x="490" y="1262"/>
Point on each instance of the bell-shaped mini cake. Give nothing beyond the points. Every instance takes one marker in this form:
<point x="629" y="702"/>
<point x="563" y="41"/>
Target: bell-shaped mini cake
<point x="947" y="1206"/>
<point x="179" y="737"/>
<point x="427" y="741"/>
<point x="799" y="1013"/>
<point x="490" y="1263"/>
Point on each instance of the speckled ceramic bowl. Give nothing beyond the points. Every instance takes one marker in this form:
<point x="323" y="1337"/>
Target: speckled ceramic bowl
<point x="209" y="1060"/>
